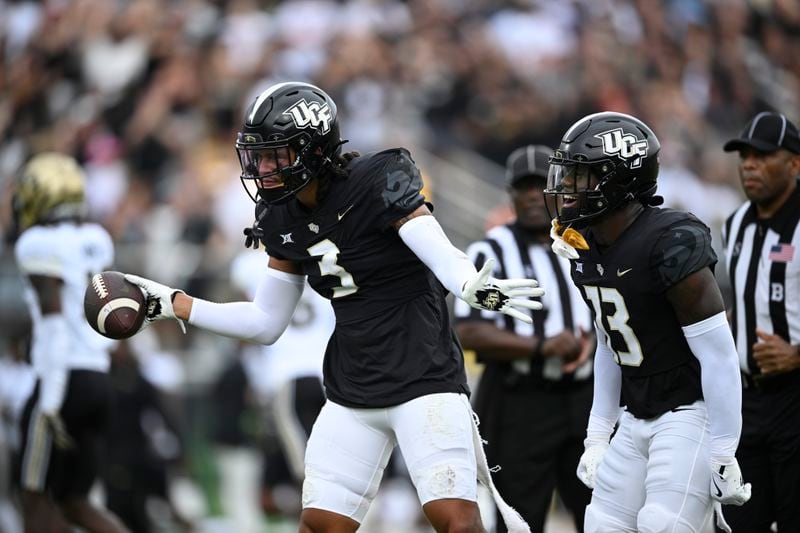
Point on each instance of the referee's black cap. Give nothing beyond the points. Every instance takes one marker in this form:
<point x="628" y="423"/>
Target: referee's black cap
<point x="767" y="132"/>
<point x="528" y="161"/>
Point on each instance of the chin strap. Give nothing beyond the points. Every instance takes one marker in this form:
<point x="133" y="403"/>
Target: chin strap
<point x="566" y="241"/>
<point x="253" y="234"/>
<point x="340" y="143"/>
<point x="653" y="201"/>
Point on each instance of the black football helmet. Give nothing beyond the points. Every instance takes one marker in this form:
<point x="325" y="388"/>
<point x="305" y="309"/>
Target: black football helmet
<point x="604" y="161"/>
<point x="290" y="136"/>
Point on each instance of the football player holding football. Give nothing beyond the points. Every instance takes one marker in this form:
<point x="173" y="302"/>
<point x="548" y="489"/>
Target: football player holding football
<point x="361" y="232"/>
<point x="665" y="352"/>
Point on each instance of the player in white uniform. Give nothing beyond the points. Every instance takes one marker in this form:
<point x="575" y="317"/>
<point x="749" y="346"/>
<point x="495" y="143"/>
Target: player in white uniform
<point x="65" y="417"/>
<point x="286" y="376"/>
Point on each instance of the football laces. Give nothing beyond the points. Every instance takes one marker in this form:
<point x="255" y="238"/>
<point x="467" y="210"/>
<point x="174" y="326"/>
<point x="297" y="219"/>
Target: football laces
<point x="99" y="285"/>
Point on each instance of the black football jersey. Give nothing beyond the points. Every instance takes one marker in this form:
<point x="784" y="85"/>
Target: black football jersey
<point x="625" y="284"/>
<point x="393" y="341"/>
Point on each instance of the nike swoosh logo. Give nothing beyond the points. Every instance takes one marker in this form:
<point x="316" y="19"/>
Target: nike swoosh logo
<point x="719" y="492"/>
<point x="621" y="273"/>
<point x="343" y="213"/>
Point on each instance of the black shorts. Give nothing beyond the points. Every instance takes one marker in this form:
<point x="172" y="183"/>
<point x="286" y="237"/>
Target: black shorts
<point x="41" y="466"/>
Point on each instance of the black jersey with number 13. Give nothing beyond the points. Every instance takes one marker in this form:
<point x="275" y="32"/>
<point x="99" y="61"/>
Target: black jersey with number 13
<point x="625" y="284"/>
<point x="393" y="341"/>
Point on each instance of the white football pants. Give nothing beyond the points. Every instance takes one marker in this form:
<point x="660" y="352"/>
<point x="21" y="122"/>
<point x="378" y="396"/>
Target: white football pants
<point x="349" y="448"/>
<point x="655" y="476"/>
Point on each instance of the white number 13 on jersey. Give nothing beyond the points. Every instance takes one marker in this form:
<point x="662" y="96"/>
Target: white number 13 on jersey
<point x="631" y="354"/>
<point x="329" y="267"/>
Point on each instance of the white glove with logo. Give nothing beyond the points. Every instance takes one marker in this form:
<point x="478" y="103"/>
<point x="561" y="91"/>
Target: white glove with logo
<point x="503" y="295"/>
<point x="726" y="482"/>
<point x="159" y="300"/>
<point x="590" y="462"/>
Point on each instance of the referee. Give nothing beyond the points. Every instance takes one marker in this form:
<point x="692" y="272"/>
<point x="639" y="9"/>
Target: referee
<point x="536" y="389"/>
<point x="762" y="247"/>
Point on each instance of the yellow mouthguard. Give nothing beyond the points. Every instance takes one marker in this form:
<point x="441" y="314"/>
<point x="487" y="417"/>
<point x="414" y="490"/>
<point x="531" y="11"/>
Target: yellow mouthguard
<point x="571" y="236"/>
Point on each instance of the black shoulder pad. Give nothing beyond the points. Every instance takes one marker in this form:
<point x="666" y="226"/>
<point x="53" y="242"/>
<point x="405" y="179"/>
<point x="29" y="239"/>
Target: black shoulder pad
<point x="682" y="249"/>
<point x="402" y="181"/>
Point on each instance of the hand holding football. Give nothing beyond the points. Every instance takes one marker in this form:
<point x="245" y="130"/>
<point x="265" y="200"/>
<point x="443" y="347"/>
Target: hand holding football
<point x="113" y="306"/>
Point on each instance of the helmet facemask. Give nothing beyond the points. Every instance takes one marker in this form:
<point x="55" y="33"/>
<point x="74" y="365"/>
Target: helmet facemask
<point x="274" y="171"/>
<point x="575" y="192"/>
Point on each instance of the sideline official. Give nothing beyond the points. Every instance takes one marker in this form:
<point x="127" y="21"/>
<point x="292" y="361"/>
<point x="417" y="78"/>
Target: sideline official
<point x="536" y="390"/>
<point x="761" y="243"/>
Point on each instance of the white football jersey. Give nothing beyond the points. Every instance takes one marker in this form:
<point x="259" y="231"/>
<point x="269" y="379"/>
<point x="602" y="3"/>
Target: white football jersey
<point x="72" y="252"/>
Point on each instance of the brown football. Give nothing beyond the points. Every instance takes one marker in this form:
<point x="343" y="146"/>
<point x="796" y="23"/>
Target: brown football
<point x="114" y="306"/>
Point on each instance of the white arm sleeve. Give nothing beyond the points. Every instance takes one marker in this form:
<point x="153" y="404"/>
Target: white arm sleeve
<point x="607" y="386"/>
<point x="52" y="351"/>
<point x="712" y="343"/>
<point x="261" y="321"/>
<point x="425" y="237"/>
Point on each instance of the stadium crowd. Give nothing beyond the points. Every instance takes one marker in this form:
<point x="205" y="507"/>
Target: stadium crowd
<point x="147" y="95"/>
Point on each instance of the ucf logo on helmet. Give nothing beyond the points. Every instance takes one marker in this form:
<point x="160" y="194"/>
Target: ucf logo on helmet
<point x="312" y="114"/>
<point x="615" y="142"/>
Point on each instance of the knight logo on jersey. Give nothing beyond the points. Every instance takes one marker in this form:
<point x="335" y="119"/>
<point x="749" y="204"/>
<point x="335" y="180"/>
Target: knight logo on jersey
<point x="312" y="114"/>
<point x="624" y="145"/>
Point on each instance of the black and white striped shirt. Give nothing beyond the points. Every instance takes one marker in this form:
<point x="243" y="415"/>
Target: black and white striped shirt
<point x="763" y="259"/>
<point x="517" y="257"/>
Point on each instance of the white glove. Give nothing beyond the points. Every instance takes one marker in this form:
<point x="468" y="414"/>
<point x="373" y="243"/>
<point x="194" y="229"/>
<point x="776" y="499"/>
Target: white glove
<point x="726" y="482"/>
<point x="590" y="462"/>
<point x="159" y="300"/>
<point x="504" y="295"/>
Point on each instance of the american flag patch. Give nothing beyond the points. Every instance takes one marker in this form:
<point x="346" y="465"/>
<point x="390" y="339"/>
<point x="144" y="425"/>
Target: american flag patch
<point x="781" y="253"/>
